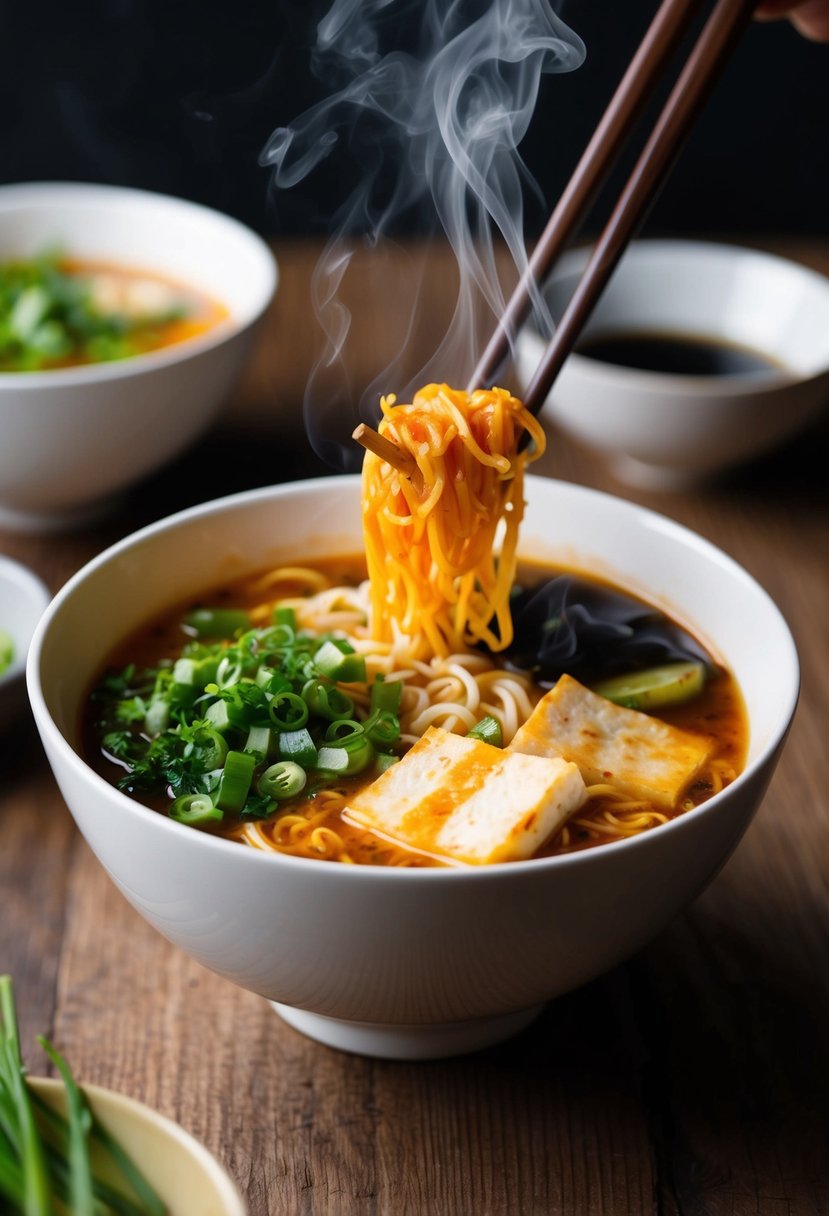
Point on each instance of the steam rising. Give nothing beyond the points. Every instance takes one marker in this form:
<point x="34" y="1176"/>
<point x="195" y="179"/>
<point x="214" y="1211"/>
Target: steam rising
<point x="430" y="136"/>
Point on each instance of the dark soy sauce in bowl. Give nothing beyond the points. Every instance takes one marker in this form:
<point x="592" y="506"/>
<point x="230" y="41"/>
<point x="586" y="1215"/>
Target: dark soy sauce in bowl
<point x="677" y="354"/>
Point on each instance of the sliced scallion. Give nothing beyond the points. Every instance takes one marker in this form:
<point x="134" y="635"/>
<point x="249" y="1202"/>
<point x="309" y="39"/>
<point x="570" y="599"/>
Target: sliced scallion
<point x="488" y="730"/>
<point x="346" y="667"/>
<point x="217" y="622"/>
<point x="193" y="810"/>
<point x="282" y="780"/>
<point x="297" y="745"/>
<point x="288" y="711"/>
<point x="237" y="775"/>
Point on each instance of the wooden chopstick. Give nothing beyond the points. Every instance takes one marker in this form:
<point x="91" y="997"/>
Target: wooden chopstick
<point x="696" y="80"/>
<point x="646" y="69"/>
<point x="385" y="449"/>
<point x="698" y="77"/>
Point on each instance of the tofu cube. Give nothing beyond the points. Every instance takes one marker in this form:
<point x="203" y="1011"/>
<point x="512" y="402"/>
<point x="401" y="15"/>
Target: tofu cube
<point x="640" y="755"/>
<point x="463" y="799"/>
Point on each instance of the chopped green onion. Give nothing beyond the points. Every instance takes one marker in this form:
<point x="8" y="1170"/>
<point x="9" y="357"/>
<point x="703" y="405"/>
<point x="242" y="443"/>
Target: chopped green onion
<point x="198" y="672"/>
<point x="343" y="731"/>
<point x="228" y="672"/>
<point x="194" y="810"/>
<point x="385" y="695"/>
<point x="259" y="742"/>
<point x="326" y="701"/>
<point x="283" y="615"/>
<point x="270" y="681"/>
<point x="383" y="728"/>
<point x="488" y="730"/>
<point x="157" y="717"/>
<point x="333" y="760"/>
<point x="282" y="780"/>
<point x="237" y="775"/>
<point x="217" y="715"/>
<point x="383" y="760"/>
<point x="6" y="651"/>
<point x="298" y="745"/>
<point x="288" y="711"/>
<point x="330" y="661"/>
<point x="207" y="745"/>
<point x="217" y="622"/>
<point x="246" y="704"/>
<point x="355" y="742"/>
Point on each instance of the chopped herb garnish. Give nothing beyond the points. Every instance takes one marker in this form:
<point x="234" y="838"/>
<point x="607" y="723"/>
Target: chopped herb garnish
<point x="50" y="317"/>
<point x="245" y="719"/>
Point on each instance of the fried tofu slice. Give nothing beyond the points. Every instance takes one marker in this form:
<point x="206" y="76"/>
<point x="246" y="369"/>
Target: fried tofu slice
<point x="463" y="799"/>
<point x="640" y="755"/>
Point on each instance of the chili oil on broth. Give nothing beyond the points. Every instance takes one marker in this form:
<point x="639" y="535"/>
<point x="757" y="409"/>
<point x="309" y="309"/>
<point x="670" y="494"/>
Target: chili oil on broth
<point x="319" y="827"/>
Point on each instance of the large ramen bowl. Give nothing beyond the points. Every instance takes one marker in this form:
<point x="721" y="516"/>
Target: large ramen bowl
<point x="73" y="439"/>
<point x="389" y="962"/>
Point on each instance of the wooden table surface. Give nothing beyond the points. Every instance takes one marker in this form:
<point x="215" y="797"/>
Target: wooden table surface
<point x="693" y="1079"/>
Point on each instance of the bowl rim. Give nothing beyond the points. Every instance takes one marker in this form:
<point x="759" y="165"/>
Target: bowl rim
<point x="226" y="1189"/>
<point x="753" y="383"/>
<point x="18" y="195"/>
<point x="15" y="572"/>
<point x="381" y="874"/>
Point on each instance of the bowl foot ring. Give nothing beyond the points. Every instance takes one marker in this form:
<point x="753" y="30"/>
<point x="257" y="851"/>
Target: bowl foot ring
<point x="392" y="1041"/>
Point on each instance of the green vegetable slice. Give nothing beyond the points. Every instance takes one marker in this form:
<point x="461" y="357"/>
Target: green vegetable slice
<point x="657" y="688"/>
<point x="6" y="651"/>
<point x="488" y="730"/>
<point x="217" y="622"/>
<point x="282" y="780"/>
<point x="194" y="810"/>
<point x="237" y="775"/>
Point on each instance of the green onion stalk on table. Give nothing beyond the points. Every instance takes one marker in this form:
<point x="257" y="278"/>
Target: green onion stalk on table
<point x="48" y="1162"/>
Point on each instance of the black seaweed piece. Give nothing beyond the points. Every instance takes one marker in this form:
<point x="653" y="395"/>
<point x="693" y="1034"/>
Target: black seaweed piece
<point x="591" y="632"/>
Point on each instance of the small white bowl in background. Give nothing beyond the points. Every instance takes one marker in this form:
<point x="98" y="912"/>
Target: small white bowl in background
<point x="661" y="430"/>
<point x="183" y="1173"/>
<point x="72" y="439"/>
<point x="23" y="599"/>
<point x="387" y="961"/>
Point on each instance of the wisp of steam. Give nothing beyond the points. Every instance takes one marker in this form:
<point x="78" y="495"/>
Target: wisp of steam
<point x="432" y="100"/>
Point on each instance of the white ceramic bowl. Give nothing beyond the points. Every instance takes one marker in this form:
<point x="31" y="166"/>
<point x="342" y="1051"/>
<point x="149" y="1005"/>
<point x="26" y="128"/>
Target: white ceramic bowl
<point x="663" y="430"/>
<point x="74" y="438"/>
<point x="390" y="962"/>
<point x="23" y="598"/>
<point x="182" y="1172"/>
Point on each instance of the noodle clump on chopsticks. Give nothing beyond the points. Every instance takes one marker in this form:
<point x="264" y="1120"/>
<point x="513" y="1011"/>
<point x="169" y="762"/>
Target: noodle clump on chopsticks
<point x="441" y="543"/>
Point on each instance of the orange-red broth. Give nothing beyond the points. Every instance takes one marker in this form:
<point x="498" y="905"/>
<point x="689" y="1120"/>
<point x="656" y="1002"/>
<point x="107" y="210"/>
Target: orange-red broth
<point x="196" y="312"/>
<point x="717" y="712"/>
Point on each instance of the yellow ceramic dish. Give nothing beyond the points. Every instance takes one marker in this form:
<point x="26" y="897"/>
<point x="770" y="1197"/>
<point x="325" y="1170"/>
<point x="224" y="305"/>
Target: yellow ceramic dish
<point x="189" y="1180"/>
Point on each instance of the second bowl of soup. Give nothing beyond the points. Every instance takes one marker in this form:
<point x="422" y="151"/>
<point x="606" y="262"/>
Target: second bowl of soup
<point x="127" y="317"/>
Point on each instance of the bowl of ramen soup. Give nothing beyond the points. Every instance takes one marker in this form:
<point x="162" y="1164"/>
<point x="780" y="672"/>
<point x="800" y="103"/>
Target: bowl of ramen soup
<point x="698" y="357"/>
<point x="125" y="320"/>
<point x="403" y="784"/>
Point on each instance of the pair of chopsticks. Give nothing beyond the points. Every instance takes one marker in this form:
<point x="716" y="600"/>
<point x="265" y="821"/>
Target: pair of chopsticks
<point x="708" y="57"/>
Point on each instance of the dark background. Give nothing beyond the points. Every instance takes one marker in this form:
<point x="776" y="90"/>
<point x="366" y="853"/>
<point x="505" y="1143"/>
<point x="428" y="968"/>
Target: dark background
<point x="180" y="97"/>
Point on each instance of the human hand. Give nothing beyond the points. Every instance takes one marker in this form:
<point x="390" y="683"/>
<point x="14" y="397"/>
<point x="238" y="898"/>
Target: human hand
<point x="809" y="17"/>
